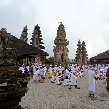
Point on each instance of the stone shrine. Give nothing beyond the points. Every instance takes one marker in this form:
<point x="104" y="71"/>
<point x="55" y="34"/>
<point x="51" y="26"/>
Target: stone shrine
<point x="60" y="49"/>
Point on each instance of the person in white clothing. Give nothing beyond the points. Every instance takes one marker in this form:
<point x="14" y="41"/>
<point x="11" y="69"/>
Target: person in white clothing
<point x="105" y="71"/>
<point x="66" y="81"/>
<point x="67" y="76"/>
<point x="23" y="69"/>
<point x="67" y="73"/>
<point x="50" y="72"/>
<point x="45" y="71"/>
<point x="41" y="74"/>
<point x="58" y="79"/>
<point x="60" y="69"/>
<point x="55" y="69"/>
<point x="91" y="81"/>
<point x="73" y="80"/>
<point x="36" y="75"/>
<point x="34" y="68"/>
<point x="53" y="78"/>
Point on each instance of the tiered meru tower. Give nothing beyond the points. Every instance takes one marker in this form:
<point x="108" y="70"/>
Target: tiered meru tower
<point x="61" y="50"/>
<point x="24" y="34"/>
<point x="37" y="42"/>
<point x="81" y="53"/>
<point x="37" y="38"/>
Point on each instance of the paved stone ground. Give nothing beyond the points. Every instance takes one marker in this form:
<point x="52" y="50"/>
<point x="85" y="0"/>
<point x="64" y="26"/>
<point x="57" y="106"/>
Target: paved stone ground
<point x="50" y="96"/>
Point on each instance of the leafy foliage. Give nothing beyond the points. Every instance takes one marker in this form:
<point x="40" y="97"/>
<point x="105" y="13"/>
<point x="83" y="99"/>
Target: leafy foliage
<point x="49" y="60"/>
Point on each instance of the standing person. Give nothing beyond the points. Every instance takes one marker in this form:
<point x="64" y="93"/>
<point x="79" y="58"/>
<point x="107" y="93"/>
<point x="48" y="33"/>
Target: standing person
<point x="105" y="71"/>
<point x="55" y="69"/>
<point x="23" y="69"/>
<point x="73" y="80"/>
<point x="31" y="70"/>
<point x="58" y="79"/>
<point x="91" y="81"/>
<point x="45" y="71"/>
<point x="34" y="68"/>
<point x="41" y="74"/>
<point x="36" y="75"/>
<point x="50" y="72"/>
<point x="60" y="69"/>
<point x="107" y="79"/>
<point x="67" y="76"/>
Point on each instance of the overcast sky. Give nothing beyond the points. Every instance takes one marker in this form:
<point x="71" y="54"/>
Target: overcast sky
<point x="87" y="20"/>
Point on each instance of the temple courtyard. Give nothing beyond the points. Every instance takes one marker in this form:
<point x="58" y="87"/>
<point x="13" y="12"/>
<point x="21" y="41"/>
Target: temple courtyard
<point x="47" y="95"/>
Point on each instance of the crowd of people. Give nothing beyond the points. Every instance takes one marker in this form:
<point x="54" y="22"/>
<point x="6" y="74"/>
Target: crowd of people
<point x="67" y="75"/>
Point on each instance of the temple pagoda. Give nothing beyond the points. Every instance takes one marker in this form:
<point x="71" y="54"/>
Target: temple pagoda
<point x="37" y="38"/>
<point x="81" y="53"/>
<point x="60" y="49"/>
<point x="37" y="43"/>
<point x="24" y="34"/>
<point x="84" y="53"/>
<point x="78" y="53"/>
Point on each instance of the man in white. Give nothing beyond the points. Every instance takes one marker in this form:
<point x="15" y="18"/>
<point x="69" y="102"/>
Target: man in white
<point x="22" y="69"/>
<point x="60" y="69"/>
<point x="41" y="74"/>
<point x="73" y="80"/>
<point x="34" y="68"/>
<point x="58" y="79"/>
<point x="55" y="69"/>
<point x="91" y="81"/>
<point x="45" y="70"/>
<point x="105" y="71"/>
<point x="36" y="75"/>
<point x="67" y="76"/>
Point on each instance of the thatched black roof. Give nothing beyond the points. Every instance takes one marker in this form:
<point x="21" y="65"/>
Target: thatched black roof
<point x="102" y="56"/>
<point x="25" y="49"/>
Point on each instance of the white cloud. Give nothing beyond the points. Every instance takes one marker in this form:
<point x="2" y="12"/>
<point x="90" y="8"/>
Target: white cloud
<point x="87" y="20"/>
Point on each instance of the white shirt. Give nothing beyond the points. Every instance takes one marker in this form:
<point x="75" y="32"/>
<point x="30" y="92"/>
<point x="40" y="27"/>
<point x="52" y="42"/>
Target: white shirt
<point x="91" y="80"/>
<point x="50" y="70"/>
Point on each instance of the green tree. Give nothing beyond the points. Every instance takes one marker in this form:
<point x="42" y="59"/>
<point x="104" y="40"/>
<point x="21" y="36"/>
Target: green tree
<point x="49" y="60"/>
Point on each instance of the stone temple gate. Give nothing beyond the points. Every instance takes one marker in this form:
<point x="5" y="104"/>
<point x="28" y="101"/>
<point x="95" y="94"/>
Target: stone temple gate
<point x="60" y="49"/>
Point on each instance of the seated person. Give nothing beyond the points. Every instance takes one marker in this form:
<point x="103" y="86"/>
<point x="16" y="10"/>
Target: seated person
<point x="53" y="78"/>
<point x="58" y="79"/>
<point x="66" y="81"/>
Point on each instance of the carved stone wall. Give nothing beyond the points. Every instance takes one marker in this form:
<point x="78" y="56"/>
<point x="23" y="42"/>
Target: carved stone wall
<point x="13" y="84"/>
<point x="7" y="53"/>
